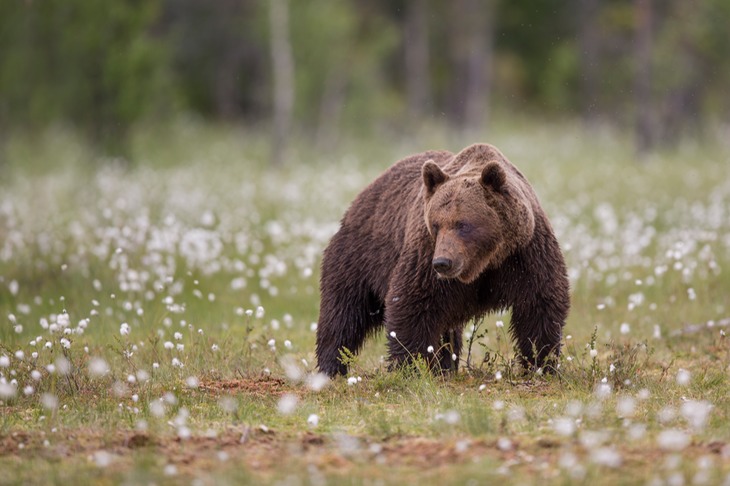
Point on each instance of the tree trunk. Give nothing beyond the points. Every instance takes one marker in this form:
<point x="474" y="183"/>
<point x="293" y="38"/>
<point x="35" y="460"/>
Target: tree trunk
<point x="645" y="124"/>
<point x="416" y="53"/>
<point x="330" y="108"/>
<point x="588" y="45"/>
<point x="283" y="78"/>
<point x="472" y="34"/>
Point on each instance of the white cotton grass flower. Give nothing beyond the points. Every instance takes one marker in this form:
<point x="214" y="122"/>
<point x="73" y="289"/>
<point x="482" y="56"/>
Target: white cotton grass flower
<point x="317" y="381"/>
<point x="124" y="329"/>
<point x="352" y="380"/>
<point x="392" y="334"/>
<point x="157" y="408"/>
<point x="313" y="420"/>
<point x="636" y="431"/>
<point x="168" y="345"/>
<point x="49" y="401"/>
<point x="564" y="426"/>
<point x="625" y="328"/>
<point x="673" y="440"/>
<point x="4" y="361"/>
<point x="657" y="332"/>
<point x="177" y="363"/>
<point x="287" y="404"/>
<point x="63" y="365"/>
<point x="7" y="390"/>
<point x="666" y="414"/>
<point x="98" y="367"/>
<point x="593" y="353"/>
<point x="625" y="407"/>
<point x="260" y="312"/>
<point x="429" y="350"/>
<point x="102" y="459"/>
<point x="228" y="404"/>
<point x="451" y="417"/>
<point x="696" y="413"/>
<point x="291" y="368"/>
<point x="499" y="324"/>
<point x="606" y="456"/>
<point x="683" y="377"/>
<point x="602" y="390"/>
<point x="504" y="444"/>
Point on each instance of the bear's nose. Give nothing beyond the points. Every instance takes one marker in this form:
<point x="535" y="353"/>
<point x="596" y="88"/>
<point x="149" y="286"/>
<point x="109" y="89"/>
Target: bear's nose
<point x="442" y="264"/>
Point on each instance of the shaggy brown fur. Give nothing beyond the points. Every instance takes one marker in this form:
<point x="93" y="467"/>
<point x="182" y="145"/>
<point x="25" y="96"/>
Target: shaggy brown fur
<point x="435" y="241"/>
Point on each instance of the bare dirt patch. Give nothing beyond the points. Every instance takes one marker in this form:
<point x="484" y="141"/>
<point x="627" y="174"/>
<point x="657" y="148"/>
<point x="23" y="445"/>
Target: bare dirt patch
<point x="263" y="386"/>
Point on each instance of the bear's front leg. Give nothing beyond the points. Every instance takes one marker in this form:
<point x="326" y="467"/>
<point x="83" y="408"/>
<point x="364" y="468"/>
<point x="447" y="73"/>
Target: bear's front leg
<point x="537" y="325"/>
<point x="414" y="321"/>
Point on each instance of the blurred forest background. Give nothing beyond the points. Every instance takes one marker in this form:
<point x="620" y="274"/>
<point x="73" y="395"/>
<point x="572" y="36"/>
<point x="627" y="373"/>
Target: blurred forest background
<point x="323" y="70"/>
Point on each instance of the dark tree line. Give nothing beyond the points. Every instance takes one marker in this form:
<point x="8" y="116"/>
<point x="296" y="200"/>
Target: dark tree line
<point x="320" y="66"/>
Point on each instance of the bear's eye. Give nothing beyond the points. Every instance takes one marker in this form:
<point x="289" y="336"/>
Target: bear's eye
<point x="463" y="228"/>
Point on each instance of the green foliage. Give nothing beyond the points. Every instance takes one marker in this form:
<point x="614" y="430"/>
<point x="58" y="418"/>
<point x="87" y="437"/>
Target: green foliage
<point x="102" y="68"/>
<point x="93" y="64"/>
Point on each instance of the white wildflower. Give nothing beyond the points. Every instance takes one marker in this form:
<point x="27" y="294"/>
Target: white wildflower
<point x="287" y="404"/>
<point x="673" y="440"/>
<point x="98" y="367"/>
<point x="317" y="381"/>
<point x="683" y="377"/>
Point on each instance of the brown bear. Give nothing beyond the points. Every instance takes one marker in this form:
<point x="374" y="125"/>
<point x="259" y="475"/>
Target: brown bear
<point x="434" y="242"/>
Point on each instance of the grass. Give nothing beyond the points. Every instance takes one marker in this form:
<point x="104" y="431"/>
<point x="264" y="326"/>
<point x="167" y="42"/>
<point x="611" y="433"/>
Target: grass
<point x="211" y="260"/>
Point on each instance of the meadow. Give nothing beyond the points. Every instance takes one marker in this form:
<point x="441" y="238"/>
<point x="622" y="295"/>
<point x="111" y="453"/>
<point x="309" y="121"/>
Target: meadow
<point x="158" y="320"/>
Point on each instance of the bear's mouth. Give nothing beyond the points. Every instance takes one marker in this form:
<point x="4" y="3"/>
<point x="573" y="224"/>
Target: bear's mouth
<point x="452" y="273"/>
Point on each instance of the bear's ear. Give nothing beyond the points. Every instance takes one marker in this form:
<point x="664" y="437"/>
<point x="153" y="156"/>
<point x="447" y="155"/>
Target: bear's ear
<point x="433" y="177"/>
<point x="493" y="176"/>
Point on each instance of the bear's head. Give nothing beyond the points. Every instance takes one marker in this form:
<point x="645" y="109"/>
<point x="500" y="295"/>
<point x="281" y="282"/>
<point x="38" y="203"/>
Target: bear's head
<point x="476" y="218"/>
